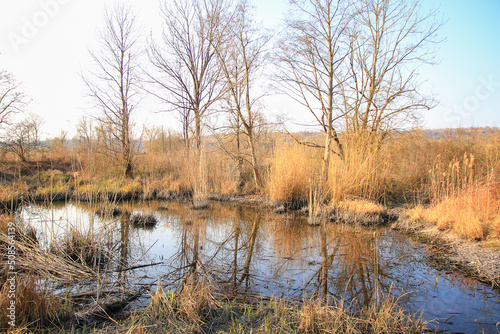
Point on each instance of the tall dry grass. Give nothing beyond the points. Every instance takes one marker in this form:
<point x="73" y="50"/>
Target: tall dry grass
<point x="293" y="167"/>
<point x="460" y="184"/>
<point x="35" y="306"/>
<point x="472" y="213"/>
<point x="361" y="172"/>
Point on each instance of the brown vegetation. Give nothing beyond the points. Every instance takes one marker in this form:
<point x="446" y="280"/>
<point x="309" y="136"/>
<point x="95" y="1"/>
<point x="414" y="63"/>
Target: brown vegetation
<point x="196" y="307"/>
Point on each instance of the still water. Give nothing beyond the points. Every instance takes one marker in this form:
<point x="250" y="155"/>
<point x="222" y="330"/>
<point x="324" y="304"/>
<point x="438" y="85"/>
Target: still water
<point x="253" y="251"/>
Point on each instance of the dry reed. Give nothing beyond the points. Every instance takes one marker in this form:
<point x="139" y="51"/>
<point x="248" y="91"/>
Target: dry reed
<point x="35" y="306"/>
<point x="292" y="168"/>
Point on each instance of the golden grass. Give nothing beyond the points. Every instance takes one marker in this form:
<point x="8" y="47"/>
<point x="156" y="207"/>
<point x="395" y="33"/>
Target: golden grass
<point x="4" y="220"/>
<point x="35" y="305"/>
<point x="180" y="311"/>
<point x="358" y="206"/>
<point x="12" y="192"/>
<point x="360" y="173"/>
<point x="473" y="213"/>
<point x="293" y="167"/>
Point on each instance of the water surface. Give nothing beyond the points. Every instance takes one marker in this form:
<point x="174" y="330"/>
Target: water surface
<point x="253" y="251"/>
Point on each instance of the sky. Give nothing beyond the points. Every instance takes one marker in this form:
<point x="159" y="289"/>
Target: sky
<point x="45" y="45"/>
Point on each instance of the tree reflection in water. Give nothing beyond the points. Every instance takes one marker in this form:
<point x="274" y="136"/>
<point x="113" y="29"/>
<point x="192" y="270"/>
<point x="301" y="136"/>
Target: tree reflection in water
<point x="251" y="251"/>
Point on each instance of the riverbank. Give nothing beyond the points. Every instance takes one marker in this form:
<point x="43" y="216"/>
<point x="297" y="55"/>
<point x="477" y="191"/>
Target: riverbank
<point x="479" y="260"/>
<point x="198" y="308"/>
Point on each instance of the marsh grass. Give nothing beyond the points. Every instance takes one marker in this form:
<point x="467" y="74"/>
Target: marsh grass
<point x="43" y="263"/>
<point x="196" y="309"/>
<point x="358" y="211"/>
<point x="81" y="247"/>
<point x="36" y="307"/>
<point x="293" y="167"/>
<point x="361" y="172"/>
<point x="460" y="187"/>
<point x="179" y="311"/>
<point x="473" y="213"/>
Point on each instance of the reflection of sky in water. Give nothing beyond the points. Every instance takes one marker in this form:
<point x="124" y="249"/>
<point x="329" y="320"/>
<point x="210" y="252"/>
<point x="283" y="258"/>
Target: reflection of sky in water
<point x="256" y="251"/>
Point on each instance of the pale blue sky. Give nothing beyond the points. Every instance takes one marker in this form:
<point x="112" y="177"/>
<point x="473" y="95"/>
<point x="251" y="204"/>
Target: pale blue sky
<point x="48" y="59"/>
<point x="467" y="79"/>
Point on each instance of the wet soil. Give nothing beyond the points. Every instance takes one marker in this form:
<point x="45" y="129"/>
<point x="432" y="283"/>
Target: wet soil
<point x="448" y="252"/>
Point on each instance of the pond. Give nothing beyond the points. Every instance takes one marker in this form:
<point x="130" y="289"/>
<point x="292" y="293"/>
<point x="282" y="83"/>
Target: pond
<point x="254" y="251"/>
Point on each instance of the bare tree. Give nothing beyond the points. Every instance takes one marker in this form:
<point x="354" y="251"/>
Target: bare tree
<point x="23" y="137"/>
<point x="85" y="133"/>
<point x="185" y="60"/>
<point x="115" y="83"/>
<point x="354" y="67"/>
<point x="311" y="53"/>
<point x="12" y="100"/>
<point x="388" y="40"/>
<point x="241" y="58"/>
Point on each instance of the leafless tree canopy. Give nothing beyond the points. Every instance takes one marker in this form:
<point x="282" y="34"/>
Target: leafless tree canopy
<point x="185" y="58"/>
<point x="241" y="59"/>
<point x="12" y="100"/>
<point x="353" y="64"/>
<point x="115" y="83"/>
<point x="23" y="137"/>
<point x="388" y="41"/>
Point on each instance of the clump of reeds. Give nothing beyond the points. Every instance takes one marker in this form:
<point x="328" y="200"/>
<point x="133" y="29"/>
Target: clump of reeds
<point x="293" y="165"/>
<point x="44" y="263"/>
<point x="81" y="247"/>
<point x="183" y="310"/>
<point x="448" y="178"/>
<point x="384" y="315"/>
<point x="358" y="211"/>
<point x="10" y="195"/>
<point x="108" y="209"/>
<point x="35" y="306"/>
<point x="143" y="221"/>
<point x="360" y="172"/>
<point x="473" y="213"/>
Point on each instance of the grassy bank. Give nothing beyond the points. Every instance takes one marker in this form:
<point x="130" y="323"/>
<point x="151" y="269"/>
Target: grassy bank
<point x="196" y="308"/>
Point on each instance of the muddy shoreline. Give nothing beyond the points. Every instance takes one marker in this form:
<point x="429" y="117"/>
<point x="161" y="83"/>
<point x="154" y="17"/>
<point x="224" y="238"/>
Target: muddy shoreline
<point x="471" y="259"/>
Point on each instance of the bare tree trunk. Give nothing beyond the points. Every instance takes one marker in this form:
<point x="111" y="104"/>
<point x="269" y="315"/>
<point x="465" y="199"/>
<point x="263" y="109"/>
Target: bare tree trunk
<point x="239" y="158"/>
<point x="114" y="86"/>
<point x="253" y="157"/>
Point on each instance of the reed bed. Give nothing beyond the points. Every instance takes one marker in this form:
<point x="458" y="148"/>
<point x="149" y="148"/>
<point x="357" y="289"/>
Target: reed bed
<point x="292" y="171"/>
